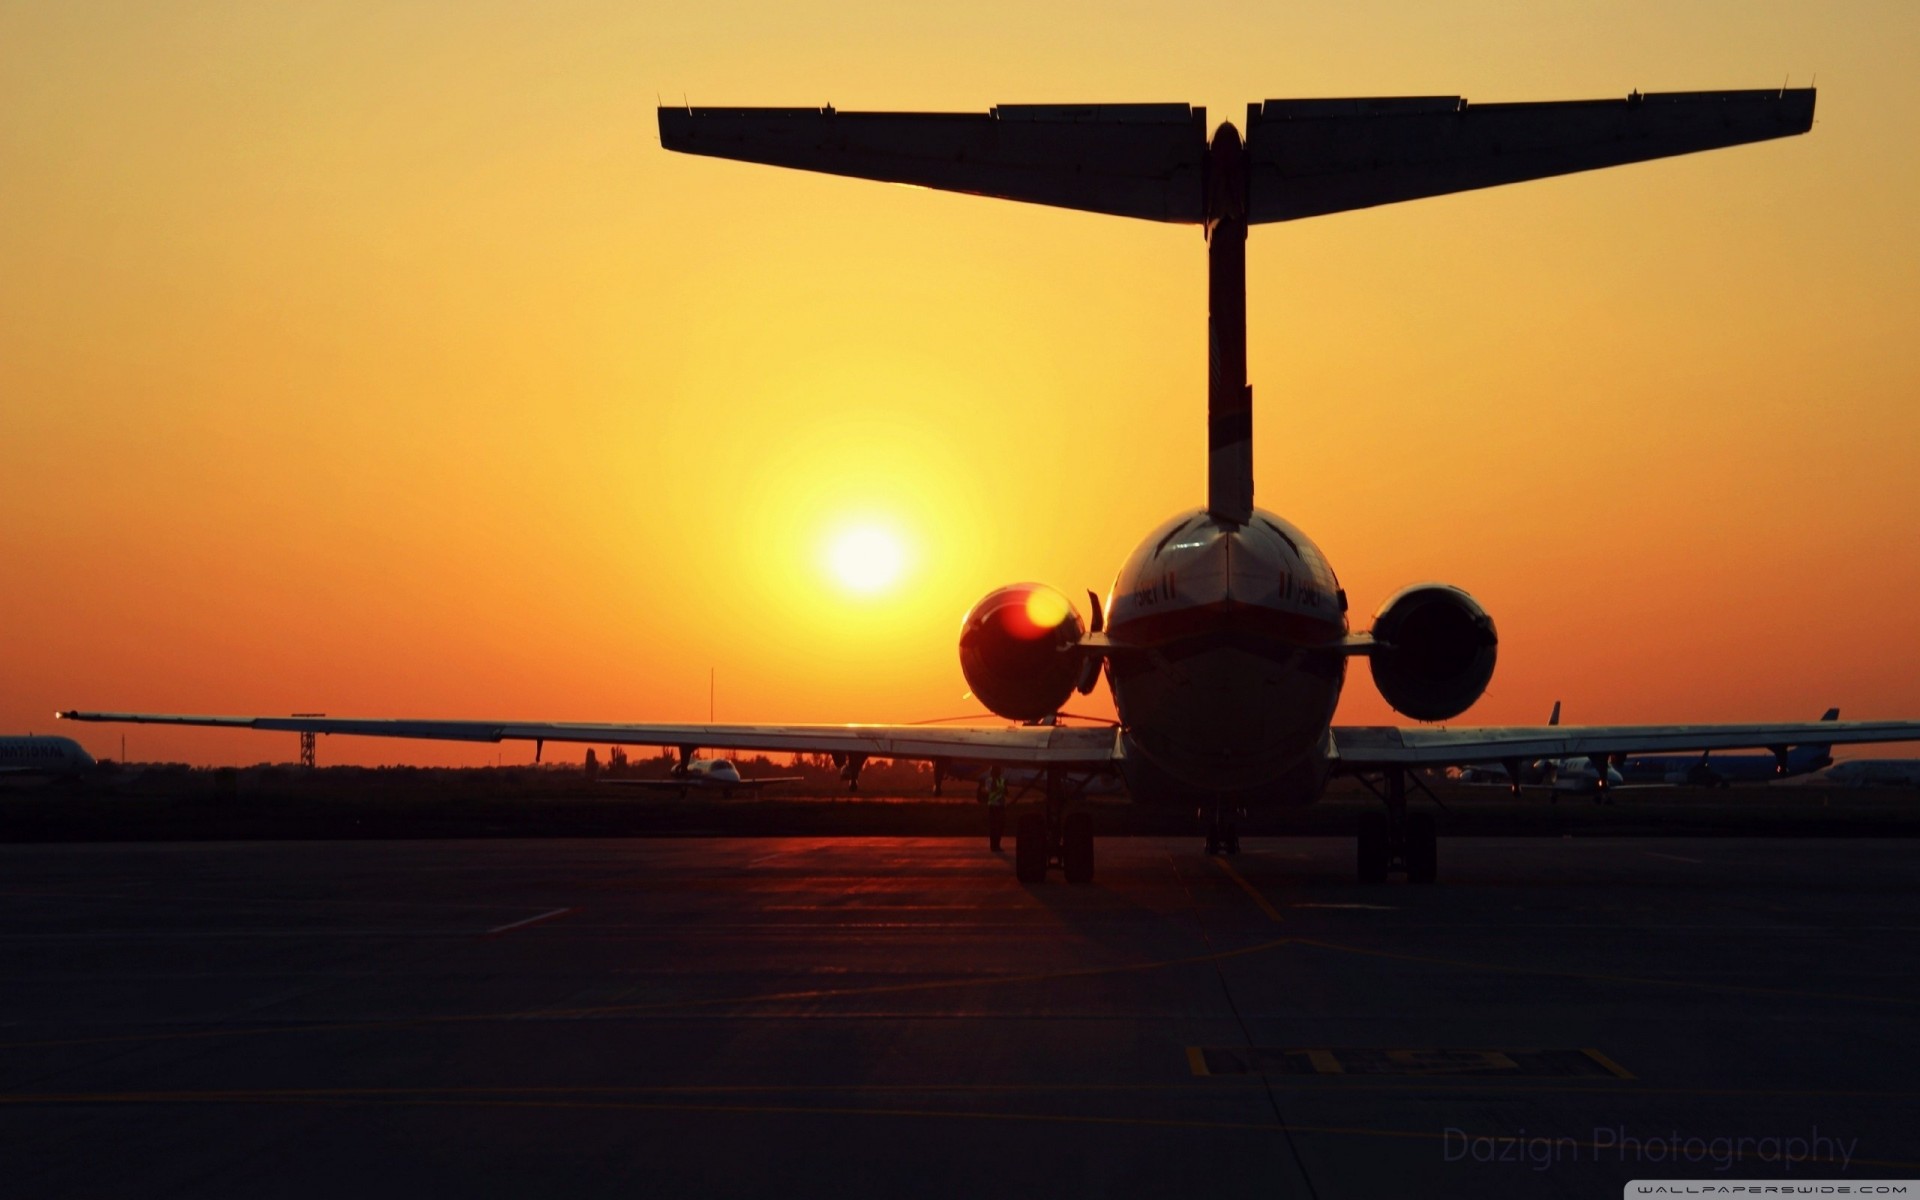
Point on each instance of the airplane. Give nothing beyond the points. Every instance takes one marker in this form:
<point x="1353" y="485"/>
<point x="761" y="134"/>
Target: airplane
<point x="1873" y="772"/>
<point x="1706" y="770"/>
<point x="1225" y="640"/>
<point x="34" y="757"/>
<point x="706" y="775"/>
<point x="1490" y="774"/>
<point x="1580" y="774"/>
<point x="1584" y="776"/>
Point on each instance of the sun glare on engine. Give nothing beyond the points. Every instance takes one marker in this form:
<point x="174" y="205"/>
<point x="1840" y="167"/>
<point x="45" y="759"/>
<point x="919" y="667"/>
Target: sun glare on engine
<point x="1046" y="608"/>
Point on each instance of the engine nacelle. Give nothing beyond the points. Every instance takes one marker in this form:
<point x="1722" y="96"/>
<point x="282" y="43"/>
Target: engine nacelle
<point x="1017" y="651"/>
<point x="1437" y="651"/>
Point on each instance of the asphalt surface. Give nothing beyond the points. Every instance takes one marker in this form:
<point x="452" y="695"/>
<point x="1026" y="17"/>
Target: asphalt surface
<point x="853" y="1017"/>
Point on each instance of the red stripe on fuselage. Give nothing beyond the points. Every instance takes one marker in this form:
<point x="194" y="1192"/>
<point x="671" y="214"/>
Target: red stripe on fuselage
<point x="1230" y="617"/>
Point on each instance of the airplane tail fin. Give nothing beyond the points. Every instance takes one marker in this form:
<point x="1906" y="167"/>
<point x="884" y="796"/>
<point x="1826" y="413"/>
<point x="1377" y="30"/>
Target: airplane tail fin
<point x="1300" y="158"/>
<point x="1555" y="718"/>
<point x="1832" y="714"/>
<point x="1304" y="158"/>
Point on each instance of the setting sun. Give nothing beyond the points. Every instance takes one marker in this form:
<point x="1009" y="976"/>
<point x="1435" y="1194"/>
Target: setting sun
<point x="865" y="559"/>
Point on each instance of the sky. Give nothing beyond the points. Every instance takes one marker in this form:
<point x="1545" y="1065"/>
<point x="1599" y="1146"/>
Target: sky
<point x="375" y="360"/>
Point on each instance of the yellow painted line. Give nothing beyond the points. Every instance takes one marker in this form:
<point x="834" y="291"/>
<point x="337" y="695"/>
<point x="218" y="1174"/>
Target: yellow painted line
<point x="1273" y="914"/>
<point x="1325" y="1062"/>
<point x="1608" y="1063"/>
<point x="1197" y="1061"/>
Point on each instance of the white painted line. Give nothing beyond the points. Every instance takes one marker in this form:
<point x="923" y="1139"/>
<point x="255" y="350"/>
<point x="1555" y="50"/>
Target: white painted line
<point x="545" y="916"/>
<point x="1369" y="907"/>
<point x="1673" y="857"/>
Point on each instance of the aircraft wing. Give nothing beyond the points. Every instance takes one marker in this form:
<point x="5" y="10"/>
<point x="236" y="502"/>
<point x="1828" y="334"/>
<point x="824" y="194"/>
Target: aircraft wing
<point x="1305" y="158"/>
<point x="1311" y="157"/>
<point x="1030" y="745"/>
<point x="1361" y="748"/>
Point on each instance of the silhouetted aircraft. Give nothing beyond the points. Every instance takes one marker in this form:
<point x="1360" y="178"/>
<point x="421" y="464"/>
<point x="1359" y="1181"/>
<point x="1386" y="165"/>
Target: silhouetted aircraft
<point x="1874" y="772"/>
<point x="706" y="775"/>
<point x="1723" y="770"/>
<point x="1225" y="639"/>
<point x="42" y="757"/>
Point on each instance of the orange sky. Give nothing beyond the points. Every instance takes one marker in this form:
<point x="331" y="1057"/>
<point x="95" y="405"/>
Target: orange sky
<point x="375" y="360"/>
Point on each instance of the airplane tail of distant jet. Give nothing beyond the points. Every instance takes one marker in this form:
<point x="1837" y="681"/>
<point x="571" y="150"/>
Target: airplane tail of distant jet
<point x="1299" y="158"/>
<point x="1554" y="719"/>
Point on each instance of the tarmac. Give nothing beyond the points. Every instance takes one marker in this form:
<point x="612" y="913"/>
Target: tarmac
<point x="897" y="1016"/>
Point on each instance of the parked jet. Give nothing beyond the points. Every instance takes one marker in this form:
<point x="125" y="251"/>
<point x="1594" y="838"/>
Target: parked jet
<point x="1225" y="639"/>
<point x="706" y="775"/>
<point x="1509" y="775"/>
<point x="1710" y="770"/>
<point x="42" y="757"/>
<point x="1874" y="772"/>
<point x="1585" y="776"/>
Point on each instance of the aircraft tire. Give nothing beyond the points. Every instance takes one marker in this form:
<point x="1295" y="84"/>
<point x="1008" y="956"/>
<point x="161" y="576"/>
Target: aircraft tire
<point x="1076" y="852"/>
<point x="1423" y="848"/>
<point x="1030" y="849"/>
<point x="1374" y="850"/>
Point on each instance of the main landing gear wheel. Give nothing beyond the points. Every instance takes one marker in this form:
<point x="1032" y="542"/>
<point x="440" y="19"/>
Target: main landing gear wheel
<point x="1397" y="840"/>
<point x="1054" y="837"/>
<point x="1375" y="847"/>
<point x="1423" y="848"/>
<point x="1223" y="835"/>
<point x="1030" y="849"/>
<point x="1076" y="848"/>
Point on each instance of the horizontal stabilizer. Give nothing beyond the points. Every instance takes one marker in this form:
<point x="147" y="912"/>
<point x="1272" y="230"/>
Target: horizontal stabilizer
<point x="1307" y="158"/>
<point x="1128" y="160"/>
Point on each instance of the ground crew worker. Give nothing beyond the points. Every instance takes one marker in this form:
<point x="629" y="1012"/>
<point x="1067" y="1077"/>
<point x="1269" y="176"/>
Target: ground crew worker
<point x="994" y="792"/>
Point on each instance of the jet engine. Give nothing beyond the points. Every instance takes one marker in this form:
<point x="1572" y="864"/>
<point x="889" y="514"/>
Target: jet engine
<point x="1018" y="651"/>
<point x="1436" y="651"/>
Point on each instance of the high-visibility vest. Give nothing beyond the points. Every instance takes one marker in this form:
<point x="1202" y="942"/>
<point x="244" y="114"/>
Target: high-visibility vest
<point x="996" y="791"/>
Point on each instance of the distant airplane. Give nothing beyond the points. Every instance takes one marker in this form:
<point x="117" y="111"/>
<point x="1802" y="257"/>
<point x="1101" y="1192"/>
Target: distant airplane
<point x="1582" y="775"/>
<point x="1578" y="774"/>
<point x="1873" y="772"/>
<point x="706" y="775"/>
<point x="1490" y="774"/>
<point x="1708" y="770"/>
<point x="42" y="757"/>
<point x="1225" y="639"/>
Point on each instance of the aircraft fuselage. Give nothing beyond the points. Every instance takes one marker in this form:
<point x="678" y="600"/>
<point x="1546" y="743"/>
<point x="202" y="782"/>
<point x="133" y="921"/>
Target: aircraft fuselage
<point x="1223" y="671"/>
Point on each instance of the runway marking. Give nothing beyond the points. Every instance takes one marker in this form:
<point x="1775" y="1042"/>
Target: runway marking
<point x="430" y="1098"/>
<point x="1673" y="857"/>
<point x="497" y="930"/>
<point x="1608" y="1063"/>
<point x="1273" y="914"/>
